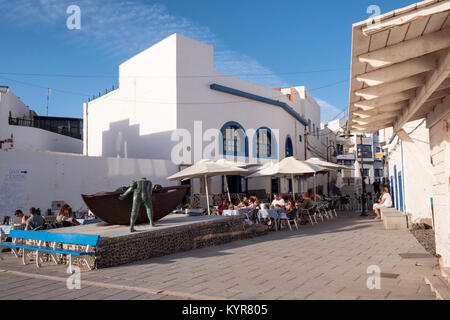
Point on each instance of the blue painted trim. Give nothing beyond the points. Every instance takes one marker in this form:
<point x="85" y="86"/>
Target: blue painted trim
<point x="400" y="191"/>
<point x="273" y="145"/>
<point x="234" y="124"/>
<point x="289" y="152"/>
<point x="396" y="187"/>
<point x="255" y="97"/>
<point x="392" y="192"/>
<point x="403" y="180"/>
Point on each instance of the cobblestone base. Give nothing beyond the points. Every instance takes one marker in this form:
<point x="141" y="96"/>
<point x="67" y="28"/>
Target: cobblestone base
<point x="140" y="246"/>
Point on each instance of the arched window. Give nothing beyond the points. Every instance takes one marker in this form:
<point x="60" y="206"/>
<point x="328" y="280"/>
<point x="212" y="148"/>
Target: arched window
<point x="234" y="140"/>
<point x="289" y="147"/>
<point x="264" y="144"/>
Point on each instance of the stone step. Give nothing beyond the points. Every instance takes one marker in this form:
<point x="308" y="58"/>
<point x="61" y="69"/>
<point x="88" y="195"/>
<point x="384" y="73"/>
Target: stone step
<point x="439" y="285"/>
<point x="445" y="272"/>
<point x="394" y="221"/>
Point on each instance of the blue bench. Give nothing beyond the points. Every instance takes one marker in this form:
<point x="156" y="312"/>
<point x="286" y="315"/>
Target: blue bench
<point x="53" y="239"/>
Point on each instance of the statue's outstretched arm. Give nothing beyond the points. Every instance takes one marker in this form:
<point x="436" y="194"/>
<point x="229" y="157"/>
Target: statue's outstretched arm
<point x="129" y="190"/>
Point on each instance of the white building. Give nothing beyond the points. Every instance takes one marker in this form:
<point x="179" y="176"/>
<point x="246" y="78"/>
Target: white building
<point x="40" y="161"/>
<point x="400" y="73"/>
<point x="410" y="185"/>
<point x="171" y="89"/>
<point x="349" y="151"/>
<point x="25" y="130"/>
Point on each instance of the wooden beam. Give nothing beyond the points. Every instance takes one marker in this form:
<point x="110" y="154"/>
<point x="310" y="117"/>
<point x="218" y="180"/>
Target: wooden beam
<point x="407" y="49"/>
<point x="372" y="128"/>
<point x="434" y="81"/>
<point x="439" y="94"/>
<point x="374" y="111"/>
<point x="394" y="98"/>
<point x="391" y="88"/>
<point x="398" y="71"/>
<point x="406" y="18"/>
<point x="445" y="84"/>
<point x="379" y="117"/>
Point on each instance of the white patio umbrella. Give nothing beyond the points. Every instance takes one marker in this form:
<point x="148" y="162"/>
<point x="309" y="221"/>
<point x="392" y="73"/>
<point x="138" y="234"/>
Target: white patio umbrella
<point x="290" y="167"/>
<point x="228" y="163"/>
<point x="339" y="180"/>
<point x="203" y="169"/>
<point x="327" y="164"/>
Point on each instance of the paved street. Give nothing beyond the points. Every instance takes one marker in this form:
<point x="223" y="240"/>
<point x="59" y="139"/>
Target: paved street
<point x="325" y="261"/>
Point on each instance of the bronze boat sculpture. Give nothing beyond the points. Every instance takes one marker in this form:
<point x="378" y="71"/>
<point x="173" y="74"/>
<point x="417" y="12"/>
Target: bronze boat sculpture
<point x="108" y="207"/>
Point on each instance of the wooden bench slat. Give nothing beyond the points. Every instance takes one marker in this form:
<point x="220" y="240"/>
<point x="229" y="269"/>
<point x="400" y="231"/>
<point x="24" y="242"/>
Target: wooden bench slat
<point x="45" y="249"/>
<point x="69" y="238"/>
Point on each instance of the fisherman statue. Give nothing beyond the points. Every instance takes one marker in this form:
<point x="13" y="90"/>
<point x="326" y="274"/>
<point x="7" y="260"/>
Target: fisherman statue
<point x="142" y="194"/>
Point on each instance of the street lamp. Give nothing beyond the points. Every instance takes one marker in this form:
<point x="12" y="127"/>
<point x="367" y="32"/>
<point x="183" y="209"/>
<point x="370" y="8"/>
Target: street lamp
<point x="328" y="174"/>
<point x="363" y="196"/>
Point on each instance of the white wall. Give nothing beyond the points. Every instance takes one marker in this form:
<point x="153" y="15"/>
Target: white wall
<point x="417" y="182"/>
<point x="35" y="179"/>
<point x="438" y="123"/>
<point x="136" y="120"/>
<point x="34" y="139"/>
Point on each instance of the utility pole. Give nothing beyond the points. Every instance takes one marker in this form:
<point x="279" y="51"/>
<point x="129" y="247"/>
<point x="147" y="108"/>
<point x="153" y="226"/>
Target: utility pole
<point x="49" y="92"/>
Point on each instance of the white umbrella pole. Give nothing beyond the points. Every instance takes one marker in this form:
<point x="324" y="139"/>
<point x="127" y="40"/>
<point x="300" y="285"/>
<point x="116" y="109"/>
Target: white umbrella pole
<point x="228" y="189"/>
<point x="207" y="194"/>
<point x="293" y="194"/>
<point x="315" y="187"/>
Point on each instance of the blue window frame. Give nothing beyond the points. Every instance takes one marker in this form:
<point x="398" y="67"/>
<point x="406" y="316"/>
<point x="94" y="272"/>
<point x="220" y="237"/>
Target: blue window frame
<point x="289" y="148"/>
<point x="234" y="140"/>
<point x="264" y="144"/>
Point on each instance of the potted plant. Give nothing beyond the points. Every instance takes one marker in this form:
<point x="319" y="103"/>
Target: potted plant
<point x="191" y="209"/>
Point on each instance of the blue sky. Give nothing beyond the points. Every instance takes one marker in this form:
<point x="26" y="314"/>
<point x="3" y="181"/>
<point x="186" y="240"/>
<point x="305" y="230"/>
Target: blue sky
<point x="272" y="43"/>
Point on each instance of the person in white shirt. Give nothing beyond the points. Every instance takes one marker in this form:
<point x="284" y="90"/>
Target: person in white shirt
<point x="386" y="202"/>
<point x="278" y="202"/>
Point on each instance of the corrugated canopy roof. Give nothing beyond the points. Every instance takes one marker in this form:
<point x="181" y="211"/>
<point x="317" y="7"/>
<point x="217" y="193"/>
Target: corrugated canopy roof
<point x="400" y="66"/>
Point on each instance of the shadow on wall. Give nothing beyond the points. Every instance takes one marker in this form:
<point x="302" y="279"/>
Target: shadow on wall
<point x="123" y="140"/>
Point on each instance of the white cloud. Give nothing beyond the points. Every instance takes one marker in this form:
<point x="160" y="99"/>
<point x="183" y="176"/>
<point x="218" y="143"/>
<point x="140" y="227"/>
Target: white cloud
<point x="122" y="29"/>
<point x="328" y="112"/>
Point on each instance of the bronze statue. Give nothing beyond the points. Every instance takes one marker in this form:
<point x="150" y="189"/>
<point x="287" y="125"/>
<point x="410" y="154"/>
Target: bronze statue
<point x="142" y="193"/>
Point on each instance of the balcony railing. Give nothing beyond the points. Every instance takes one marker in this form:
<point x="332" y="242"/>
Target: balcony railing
<point x="40" y="125"/>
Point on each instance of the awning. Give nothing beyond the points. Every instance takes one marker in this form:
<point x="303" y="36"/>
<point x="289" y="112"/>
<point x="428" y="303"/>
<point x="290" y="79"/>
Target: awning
<point x="400" y="66"/>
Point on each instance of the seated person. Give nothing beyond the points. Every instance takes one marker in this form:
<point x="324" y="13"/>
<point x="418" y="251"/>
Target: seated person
<point x="34" y="221"/>
<point x="251" y="205"/>
<point x="290" y="209"/>
<point x="385" y="202"/>
<point x="278" y="202"/>
<point x="243" y="203"/>
<point x="65" y="216"/>
<point x="223" y="206"/>
<point x="306" y="204"/>
<point x="19" y="214"/>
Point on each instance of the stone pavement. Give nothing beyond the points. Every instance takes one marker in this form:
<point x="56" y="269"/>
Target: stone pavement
<point x="324" y="261"/>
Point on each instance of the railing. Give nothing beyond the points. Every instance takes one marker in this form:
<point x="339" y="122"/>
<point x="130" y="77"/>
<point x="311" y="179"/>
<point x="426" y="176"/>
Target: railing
<point x="35" y="124"/>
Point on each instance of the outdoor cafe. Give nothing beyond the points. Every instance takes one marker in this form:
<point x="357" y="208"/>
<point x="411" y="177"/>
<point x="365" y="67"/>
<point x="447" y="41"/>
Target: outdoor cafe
<point x="282" y="212"/>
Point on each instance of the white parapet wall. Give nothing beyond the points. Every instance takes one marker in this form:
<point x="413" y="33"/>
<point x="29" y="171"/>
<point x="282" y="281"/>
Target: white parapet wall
<point x="35" y="179"/>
